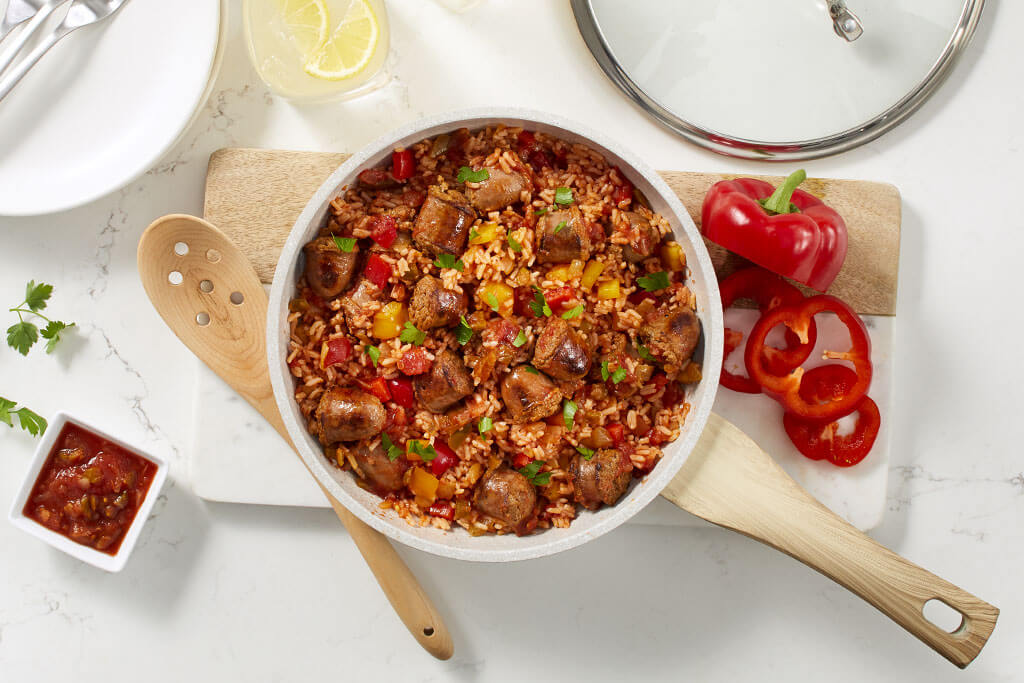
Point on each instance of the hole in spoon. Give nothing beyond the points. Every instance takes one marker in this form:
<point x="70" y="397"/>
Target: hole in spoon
<point x="203" y="319"/>
<point x="428" y="631"/>
<point x="206" y="286"/>
<point x="180" y="248"/>
<point x="942" y="615"/>
<point x="237" y="298"/>
<point x="212" y="255"/>
<point x="175" y="278"/>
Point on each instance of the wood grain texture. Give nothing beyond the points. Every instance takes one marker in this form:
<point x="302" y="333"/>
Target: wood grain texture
<point x="255" y="195"/>
<point x="233" y="345"/>
<point x="729" y="481"/>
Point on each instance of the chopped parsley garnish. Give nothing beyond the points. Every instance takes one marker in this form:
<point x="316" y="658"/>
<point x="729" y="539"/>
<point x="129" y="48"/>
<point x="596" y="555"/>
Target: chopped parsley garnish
<point x="29" y="421"/>
<point x="604" y="371"/>
<point x="22" y="335"/>
<point x="449" y="261"/>
<point x="345" y="244"/>
<point x="568" y="413"/>
<point x="560" y="227"/>
<point x="466" y="174"/>
<point x="573" y="312"/>
<point x="514" y="244"/>
<point x="533" y="473"/>
<point x="485" y="424"/>
<point x="616" y="377"/>
<point x="519" y="340"/>
<point x="654" y="281"/>
<point x="644" y="352"/>
<point x="463" y="333"/>
<point x="539" y="305"/>
<point x="473" y="234"/>
<point x="619" y="375"/>
<point x="541" y="212"/>
<point x="532" y="370"/>
<point x="373" y="352"/>
<point x="492" y="301"/>
<point x="426" y="452"/>
<point x="393" y="451"/>
<point x="587" y="453"/>
<point x="563" y="196"/>
<point x="411" y="335"/>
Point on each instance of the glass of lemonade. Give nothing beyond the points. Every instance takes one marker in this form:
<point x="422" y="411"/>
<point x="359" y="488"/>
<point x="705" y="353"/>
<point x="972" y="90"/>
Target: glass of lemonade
<point x="315" y="50"/>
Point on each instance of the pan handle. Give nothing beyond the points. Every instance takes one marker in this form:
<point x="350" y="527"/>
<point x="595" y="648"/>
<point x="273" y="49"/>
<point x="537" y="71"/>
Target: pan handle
<point x="729" y="481"/>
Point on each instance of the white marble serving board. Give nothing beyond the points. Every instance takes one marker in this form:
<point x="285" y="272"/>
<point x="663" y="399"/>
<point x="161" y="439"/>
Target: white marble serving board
<point x="236" y="456"/>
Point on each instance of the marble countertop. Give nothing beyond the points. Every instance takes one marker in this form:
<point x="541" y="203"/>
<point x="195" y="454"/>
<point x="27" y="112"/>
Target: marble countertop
<point x="228" y="592"/>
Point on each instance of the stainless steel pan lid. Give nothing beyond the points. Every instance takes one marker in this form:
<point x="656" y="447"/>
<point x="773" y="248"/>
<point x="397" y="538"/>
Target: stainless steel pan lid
<point x="780" y="80"/>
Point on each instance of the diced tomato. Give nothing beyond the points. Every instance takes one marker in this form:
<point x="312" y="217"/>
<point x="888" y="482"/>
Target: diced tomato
<point x="521" y="304"/>
<point x="443" y="509"/>
<point x="414" y="362"/>
<point x="377" y="271"/>
<point x="445" y="459"/>
<point x="402" y="164"/>
<point x="655" y="437"/>
<point x="401" y="392"/>
<point x="521" y="460"/>
<point x="413" y="198"/>
<point x="617" y="432"/>
<point x="532" y="151"/>
<point x="672" y="396"/>
<point x="559" y="298"/>
<point x="659" y="380"/>
<point x="312" y="299"/>
<point x="376" y="386"/>
<point x="505" y="331"/>
<point x="335" y="351"/>
<point x="623" y="192"/>
<point x="384" y="230"/>
<point x="637" y="297"/>
<point x="394" y="417"/>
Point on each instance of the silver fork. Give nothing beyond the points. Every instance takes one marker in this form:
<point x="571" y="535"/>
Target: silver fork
<point x="17" y="12"/>
<point x="81" y="13"/>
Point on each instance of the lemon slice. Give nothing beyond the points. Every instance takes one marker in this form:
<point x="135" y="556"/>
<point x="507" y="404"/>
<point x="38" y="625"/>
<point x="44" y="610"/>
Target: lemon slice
<point x="350" y="47"/>
<point x="308" y="23"/>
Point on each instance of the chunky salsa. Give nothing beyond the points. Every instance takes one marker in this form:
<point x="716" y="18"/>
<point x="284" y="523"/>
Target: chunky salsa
<point x="90" y="489"/>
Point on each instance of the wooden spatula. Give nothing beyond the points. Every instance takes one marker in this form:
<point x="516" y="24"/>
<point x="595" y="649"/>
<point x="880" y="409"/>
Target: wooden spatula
<point x="208" y="294"/>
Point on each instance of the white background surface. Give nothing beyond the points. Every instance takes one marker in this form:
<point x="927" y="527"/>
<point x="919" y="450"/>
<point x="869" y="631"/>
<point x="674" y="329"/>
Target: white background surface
<point x="224" y="592"/>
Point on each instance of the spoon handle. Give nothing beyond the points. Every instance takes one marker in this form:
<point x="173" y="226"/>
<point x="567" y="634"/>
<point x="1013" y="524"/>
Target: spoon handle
<point x="11" y="50"/>
<point x="729" y="481"/>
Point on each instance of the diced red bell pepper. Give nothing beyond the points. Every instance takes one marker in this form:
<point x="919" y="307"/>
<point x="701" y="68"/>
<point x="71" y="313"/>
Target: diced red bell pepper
<point x="617" y="432"/>
<point x="788" y="231"/>
<point x="401" y="392"/>
<point x="559" y="298"/>
<point x="443" y="509"/>
<point x="623" y="192"/>
<point x="377" y="271"/>
<point x="521" y="303"/>
<point x="821" y="440"/>
<point x="376" y="386"/>
<point x="768" y="291"/>
<point x="520" y="460"/>
<point x="384" y="230"/>
<point x="532" y="151"/>
<point x="786" y="388"/>
<point x="402" y="164"/>
<point x="335" y="351"/>
<point x="445" y="459"/>
<point x="415" y="361"/>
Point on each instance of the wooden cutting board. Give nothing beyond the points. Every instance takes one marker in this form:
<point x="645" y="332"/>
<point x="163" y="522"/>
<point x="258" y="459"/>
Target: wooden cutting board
<point x="255" y="195"/>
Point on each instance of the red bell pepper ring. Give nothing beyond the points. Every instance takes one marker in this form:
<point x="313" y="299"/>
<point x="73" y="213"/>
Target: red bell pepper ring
<point x="821" y="440"/>
<point x="402" y="164"/>
<point x="786" y="388"/>
<point x="786" y="230"/>
<point x="768" y="291"/>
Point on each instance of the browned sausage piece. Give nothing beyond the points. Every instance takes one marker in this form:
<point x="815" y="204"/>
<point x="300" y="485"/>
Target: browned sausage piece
<point x="560" y="351"/>
<point x="447" y="382"/>
<point x="506" y="495"/>
<point x="529" y="395"/>
<point x="562" y="236"/>
<point x="443" y="223"/>
<point x="671" y="335"/>
<point x="363" y="301"/>
<point x="498" y="191"/>
<point x="643" y="238"/>
<point x="347" y="414"/>
<point x="434" y="306"/>
<point x="329" y="270"/>
<point x="384" y="476"/>
<point x="602" y="479"/>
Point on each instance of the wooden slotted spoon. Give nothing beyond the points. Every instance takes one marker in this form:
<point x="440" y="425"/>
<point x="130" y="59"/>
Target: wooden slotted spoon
<point x="207" y="292"/>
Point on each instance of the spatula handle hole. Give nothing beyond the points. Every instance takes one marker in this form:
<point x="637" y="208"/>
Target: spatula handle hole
<point x="237" y="298"/>
<point x="181" y="248"/>
<point x="175" y="277"/>
<point x="212" y="255"/>
<point x="206" y="286"/>
<point x="945" y="616"/>
<point x="203" y="319"/>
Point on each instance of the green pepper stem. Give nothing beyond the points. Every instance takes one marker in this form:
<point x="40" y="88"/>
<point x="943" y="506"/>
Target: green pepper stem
<point x="779" y="202"/>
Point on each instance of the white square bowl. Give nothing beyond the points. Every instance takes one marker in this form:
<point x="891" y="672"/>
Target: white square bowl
<point x="111" y="563"/>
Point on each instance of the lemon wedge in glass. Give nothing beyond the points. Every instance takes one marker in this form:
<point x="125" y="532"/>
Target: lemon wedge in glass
<point x="349" y="48"/>
<point x="308" y="23"/>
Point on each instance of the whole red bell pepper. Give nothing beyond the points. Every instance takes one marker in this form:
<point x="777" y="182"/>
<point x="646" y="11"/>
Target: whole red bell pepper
<point x="786" y="230"/>
<point x="786" y="388"/>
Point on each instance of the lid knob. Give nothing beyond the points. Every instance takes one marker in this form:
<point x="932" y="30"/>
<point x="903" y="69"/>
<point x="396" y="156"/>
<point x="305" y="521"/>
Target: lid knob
<point x="844" y="22"/>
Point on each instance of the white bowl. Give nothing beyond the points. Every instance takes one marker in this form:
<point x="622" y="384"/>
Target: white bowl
<point x="457" y="543"/>
<point x="111" y="563"/>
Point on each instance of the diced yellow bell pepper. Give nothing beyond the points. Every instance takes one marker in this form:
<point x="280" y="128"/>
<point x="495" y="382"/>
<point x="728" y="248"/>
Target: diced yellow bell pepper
<point x="691" y="374"/>
<point x="423" y="484"/>
<point x="608" y="289"/>
<point x="591" y="273"/>
<point x="560" y="273"/>
<point x="673" y="257"/>
<point x="496" y="294"/>
<point x="388" y="322"/>
<point x="485" y="233"/>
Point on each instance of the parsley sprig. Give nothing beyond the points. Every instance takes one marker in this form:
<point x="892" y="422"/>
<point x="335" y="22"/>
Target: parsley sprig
<point x="617" y="376"/>
<point x="22" y="335"/>
<point x="425" y="451"/>
<point x="533" y="473"/>
<point x="520" y="339"/>
<point x="485" y="424"/>
<point x="449" y="261"/>
<point x="587" y="453"/>
<point x="563" y="196"/>
<point x="466" y="174"/>
<point x="539" y="305"/>
<point x="393" y="452"/>
<point x="373" y="352"/>
<point x="569" y="413"/>
<point x="29" y="421"/>
<point x="654" y="281"/>
<point x="463" y="333"/>
<point x="412" y="335"/>
<point x="345" y="244"/>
